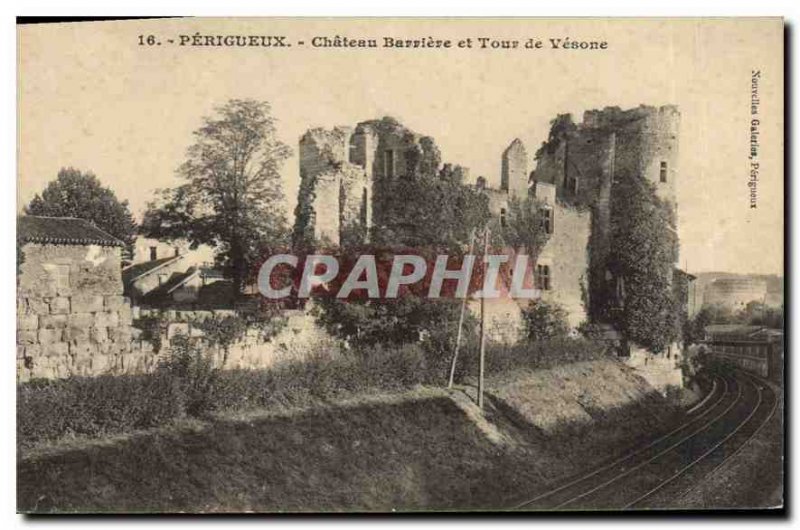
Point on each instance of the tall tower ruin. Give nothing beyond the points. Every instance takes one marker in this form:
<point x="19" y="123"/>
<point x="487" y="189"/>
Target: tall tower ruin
<point x="514" y="169"/>
<point x="584" y="160"/>
<point x="346" y="177"/>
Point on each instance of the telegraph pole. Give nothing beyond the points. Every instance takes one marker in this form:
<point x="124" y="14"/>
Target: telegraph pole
<point x="483" y="323"/>
<point x="461" y="318"/>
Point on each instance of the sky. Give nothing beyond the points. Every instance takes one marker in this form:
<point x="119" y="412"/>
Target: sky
<point x="91" y="97"/>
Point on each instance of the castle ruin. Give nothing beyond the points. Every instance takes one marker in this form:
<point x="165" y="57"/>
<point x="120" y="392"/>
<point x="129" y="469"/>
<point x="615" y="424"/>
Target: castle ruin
<point x="342" y="171"/>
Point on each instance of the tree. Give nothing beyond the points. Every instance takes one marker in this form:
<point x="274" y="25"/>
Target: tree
<point x="231" y="197"/>
<point x="80" y="194"/>
<point x="641" y="260"/>
<point x="524" y="225"/>
<point x="695" y="329"/>
<point x="435" y="211"/>
<point x="759" y="314"/>
<point x="545" y="321"/>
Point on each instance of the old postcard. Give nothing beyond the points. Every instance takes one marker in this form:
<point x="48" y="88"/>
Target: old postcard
<point x="392" y="265"/>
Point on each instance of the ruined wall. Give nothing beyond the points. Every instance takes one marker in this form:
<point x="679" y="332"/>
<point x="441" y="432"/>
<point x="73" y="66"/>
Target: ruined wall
<point x="334" y="193"/>
<point x="504" y="322"/>
<point x="300" y="338"/>
<point x="348" y="176"/>
<point x="514" y="169"/>
<point x="71" y="316"/>
<point x="647" y="137"/>
<point x="611" y="142"/>
<point x="566" y="254"/>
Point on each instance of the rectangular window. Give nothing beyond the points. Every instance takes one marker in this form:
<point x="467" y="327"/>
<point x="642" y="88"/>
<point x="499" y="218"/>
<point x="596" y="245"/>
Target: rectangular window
<point x="547" y="220"/>
<point x="543" y="277"/>
<point x="571" y="184"/>
<point x="388" y="163"/>
<point x="663" y="174"/>
<point x="503" y="217"/>
<point x="153" y="253"/>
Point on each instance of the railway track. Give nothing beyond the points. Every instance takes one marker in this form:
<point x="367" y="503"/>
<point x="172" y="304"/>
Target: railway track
<point x="653" y="476"/>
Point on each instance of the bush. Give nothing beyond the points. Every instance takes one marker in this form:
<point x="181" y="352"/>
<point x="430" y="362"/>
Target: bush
<point x="94" y="406"/>
<point x="191" y="370"/>
<point x="541" y="354"/>
<point x="186" y="383"/>
<point x="545" y="321"/>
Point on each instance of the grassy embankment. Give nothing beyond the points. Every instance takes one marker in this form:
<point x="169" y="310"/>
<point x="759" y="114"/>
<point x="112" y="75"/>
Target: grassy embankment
<point x="412" y="447"/>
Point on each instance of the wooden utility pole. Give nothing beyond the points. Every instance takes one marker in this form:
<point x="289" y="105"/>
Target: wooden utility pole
<point x="461" y="318"/>
<point x="483" y="323"/>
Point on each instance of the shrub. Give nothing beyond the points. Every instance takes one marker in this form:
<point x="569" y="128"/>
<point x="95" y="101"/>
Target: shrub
<point x="187" y="383"/>
<point x="94" y="406"/>
<point x="545" y="321"/>
<point x="410" y="319"/>
<point x="190" y="368"/>
<point x="541" y="354"/>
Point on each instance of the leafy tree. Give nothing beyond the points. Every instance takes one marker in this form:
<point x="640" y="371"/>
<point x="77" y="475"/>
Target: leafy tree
<point x="560" y="128"/>
<point x="641" y="259"/>
<point x="231" y="197"/>
<point x="80" y="194"/>
<point x="524" y="225"/>
<point x="694" y="331"/>
<point x="434" y="211"/>
<point x="545" y="321"/>
<point x="759" y="314"/>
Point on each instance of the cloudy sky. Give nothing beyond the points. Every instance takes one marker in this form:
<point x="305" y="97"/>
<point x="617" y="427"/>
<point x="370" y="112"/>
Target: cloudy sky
<point x="92" y="98"/>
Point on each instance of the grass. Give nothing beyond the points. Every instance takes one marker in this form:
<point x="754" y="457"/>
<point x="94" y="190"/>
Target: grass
<point x="348" y="433"/>
<point x="186" y="385"/>
<point x="417" y="451"/>
<point x="370" y="457"/>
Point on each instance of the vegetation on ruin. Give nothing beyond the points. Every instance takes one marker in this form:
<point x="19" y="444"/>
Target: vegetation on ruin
<point x="524" y="226"/>
<point x="643" y="253"/>
<point x="545" y="321"/>
<point x="231" y="198"/>
<point x="560" y="128"/>
<point x="80" y="194"/>
<point x="431" y="211"/>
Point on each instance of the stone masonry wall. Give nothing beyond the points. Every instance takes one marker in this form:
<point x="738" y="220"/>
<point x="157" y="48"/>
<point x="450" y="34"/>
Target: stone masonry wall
<point x="514" y="169"/>
<point x="71" y="316"/>
<point x="565" y="253"/>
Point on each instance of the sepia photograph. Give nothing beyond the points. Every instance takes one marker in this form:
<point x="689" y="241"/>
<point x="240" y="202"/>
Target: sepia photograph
<point x="396" y="265"/>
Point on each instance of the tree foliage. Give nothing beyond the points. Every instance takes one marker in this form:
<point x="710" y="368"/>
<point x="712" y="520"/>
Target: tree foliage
<point x="231" y="197"/>
<point x="642" y="258"/>
<point x="560" y="128"/>
<point x="432" y="211"/>
<point x="524" y="225"/>
<point x="80" y="194"/>
<point x="754" y="313"/>
<point x="545" y="321"/>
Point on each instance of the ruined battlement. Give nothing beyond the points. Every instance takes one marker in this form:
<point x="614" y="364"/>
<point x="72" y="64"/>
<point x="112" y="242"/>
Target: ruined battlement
<point x="346" y="171"/>
<point x="664" y="118"/>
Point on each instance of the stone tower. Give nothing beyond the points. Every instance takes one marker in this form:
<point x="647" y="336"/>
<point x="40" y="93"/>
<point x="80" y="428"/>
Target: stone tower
<point x="347" y="177"/>
<point x="514" y="169"/>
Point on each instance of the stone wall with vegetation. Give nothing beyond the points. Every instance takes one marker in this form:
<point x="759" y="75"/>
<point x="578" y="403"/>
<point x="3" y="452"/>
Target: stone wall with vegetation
<point x="71" y="316"/>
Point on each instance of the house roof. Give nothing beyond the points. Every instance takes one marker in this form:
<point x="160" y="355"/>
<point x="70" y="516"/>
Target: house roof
<point x="731" y="328"/>
<point x="173" y="282"/>
<point x="137" y="270"/>
<point x="62" y="231"/>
